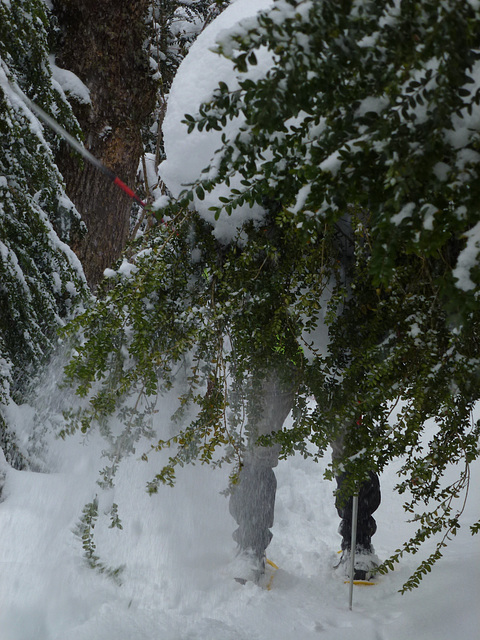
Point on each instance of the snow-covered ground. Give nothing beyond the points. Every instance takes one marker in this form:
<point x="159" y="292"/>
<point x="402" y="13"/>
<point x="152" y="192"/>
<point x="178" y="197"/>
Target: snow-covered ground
<point x="178" y="582"/>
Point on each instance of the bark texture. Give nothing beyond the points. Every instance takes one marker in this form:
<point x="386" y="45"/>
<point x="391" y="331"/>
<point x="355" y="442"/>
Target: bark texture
<point x="102" y="42"/>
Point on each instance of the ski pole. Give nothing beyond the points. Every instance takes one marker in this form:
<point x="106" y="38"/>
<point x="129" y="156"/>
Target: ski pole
<point x="69" y="139"/>
<point x="353" y="545"/>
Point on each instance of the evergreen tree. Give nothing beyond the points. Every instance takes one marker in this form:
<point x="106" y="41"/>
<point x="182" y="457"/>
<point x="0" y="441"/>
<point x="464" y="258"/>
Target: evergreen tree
<point x="367" y="113"/>
<point x="42" y="281"/>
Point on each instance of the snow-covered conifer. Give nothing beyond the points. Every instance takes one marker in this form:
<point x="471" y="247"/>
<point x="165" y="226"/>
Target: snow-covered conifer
<point x="41" y="280"/>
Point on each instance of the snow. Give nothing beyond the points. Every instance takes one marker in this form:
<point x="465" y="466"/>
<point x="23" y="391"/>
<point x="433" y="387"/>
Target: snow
<point x="405" y="212"/>
<point x="161" y="202"/>
<point x="178" y="580"/>
<point x="468" y="259"/>
<point x="332" y="164"/>
<point x="13" y="94"/>
<point x="467" y="120"/>
<point x="195" y="81"/>
<point x="126" y="269"/>
<point x="183" y="24"/>
<point x="70" y="83"/>
<point x="10" y="263"/>
<point x="393" y="12"/>
<point x="428" y="212"/>
<point x="441" y="170"/>
<point x="371" y="104"/>
<point x="302" y="197"/>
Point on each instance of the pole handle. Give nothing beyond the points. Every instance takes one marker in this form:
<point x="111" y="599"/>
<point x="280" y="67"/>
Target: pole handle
<point x="128" y="191"/>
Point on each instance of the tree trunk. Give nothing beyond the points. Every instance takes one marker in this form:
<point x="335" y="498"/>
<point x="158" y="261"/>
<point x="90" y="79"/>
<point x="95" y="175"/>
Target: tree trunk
<point x="103" y="44"/>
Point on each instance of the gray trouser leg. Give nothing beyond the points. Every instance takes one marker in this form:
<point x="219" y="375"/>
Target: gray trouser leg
<point x="252" y="505"/>
<point x="252" y="501"/>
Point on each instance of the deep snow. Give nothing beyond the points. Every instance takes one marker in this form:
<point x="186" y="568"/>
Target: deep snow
<point x="180" y="559"/>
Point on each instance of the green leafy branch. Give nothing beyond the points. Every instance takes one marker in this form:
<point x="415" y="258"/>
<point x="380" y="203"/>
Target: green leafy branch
<point x="85" y="531"/>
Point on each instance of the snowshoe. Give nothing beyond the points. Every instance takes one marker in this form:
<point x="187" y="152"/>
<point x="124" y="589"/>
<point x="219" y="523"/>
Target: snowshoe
<point x="366" y="564"/>
<point x="261" y="573"/>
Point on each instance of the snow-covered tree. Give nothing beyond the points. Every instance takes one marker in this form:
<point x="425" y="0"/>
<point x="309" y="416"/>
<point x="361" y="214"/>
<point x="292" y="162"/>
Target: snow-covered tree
<point x="125" y="52"/>
<point x="103" y="44"/>
<point x="41" y="280"/>
<point x="360" y="111"/>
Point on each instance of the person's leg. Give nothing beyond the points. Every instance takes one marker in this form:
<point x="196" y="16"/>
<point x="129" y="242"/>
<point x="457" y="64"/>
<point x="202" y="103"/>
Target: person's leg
<point x="252" y="505"/>
<point x="252" y="500"/>
<point x="369" y="498"/>
<point x="368" y="503"/>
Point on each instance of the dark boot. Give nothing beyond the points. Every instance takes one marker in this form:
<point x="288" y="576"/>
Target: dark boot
<point x="369" y="498"/>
